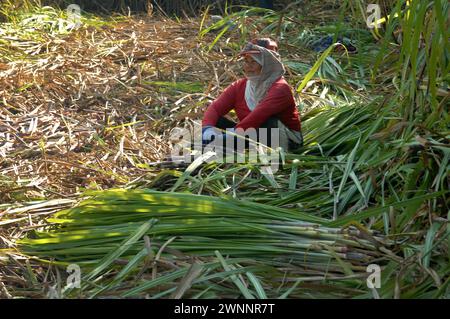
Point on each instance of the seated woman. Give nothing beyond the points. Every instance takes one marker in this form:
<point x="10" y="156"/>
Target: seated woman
<point x="263" y="99"/>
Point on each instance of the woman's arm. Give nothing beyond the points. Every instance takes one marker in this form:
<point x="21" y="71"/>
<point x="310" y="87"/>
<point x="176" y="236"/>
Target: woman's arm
<point x="278" y="98"/>
<point x="221" y="106"/>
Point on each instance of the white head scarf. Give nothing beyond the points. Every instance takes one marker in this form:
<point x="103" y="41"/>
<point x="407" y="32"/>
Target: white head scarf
<point x="272" y="69"/>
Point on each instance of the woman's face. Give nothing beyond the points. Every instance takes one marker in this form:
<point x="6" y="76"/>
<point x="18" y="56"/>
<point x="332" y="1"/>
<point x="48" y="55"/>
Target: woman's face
<point x="251" y="67"/>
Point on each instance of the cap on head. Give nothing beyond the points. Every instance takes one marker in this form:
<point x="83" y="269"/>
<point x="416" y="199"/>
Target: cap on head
<point x="267" y="43"/>
<point x="262" y="42"/>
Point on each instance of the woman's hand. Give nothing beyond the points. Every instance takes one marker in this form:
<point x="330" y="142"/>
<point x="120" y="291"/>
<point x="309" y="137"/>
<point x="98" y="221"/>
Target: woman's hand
<point x="208" y="134"/>
<point x="211" y="133"/>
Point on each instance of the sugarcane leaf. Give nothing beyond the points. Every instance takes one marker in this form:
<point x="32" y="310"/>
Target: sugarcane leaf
<point x="290" y="290"/>
<point x="428" y="245"/>
<point x="239" y="284"/>
<point x="186" y="282"/>
<point x="132" y="265"/>
<point x="443" y="167"/>
<point x="448" y="239"/>
<point x="217" y="38"/>
<point x="164" y="279"/>
<point x="372" y="212"/>
<point x="123" y="247"/>
<point x="348" y="169"/>
<point x="293" y="177"/>
<point x="257" y="284"/>
<point x="358" y="185"/>
<point x="192" y="167"/>
<point x="315" y="67"/>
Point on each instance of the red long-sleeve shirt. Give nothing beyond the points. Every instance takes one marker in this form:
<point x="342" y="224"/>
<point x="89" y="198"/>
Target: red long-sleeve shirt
<point x="278" y="101"/>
